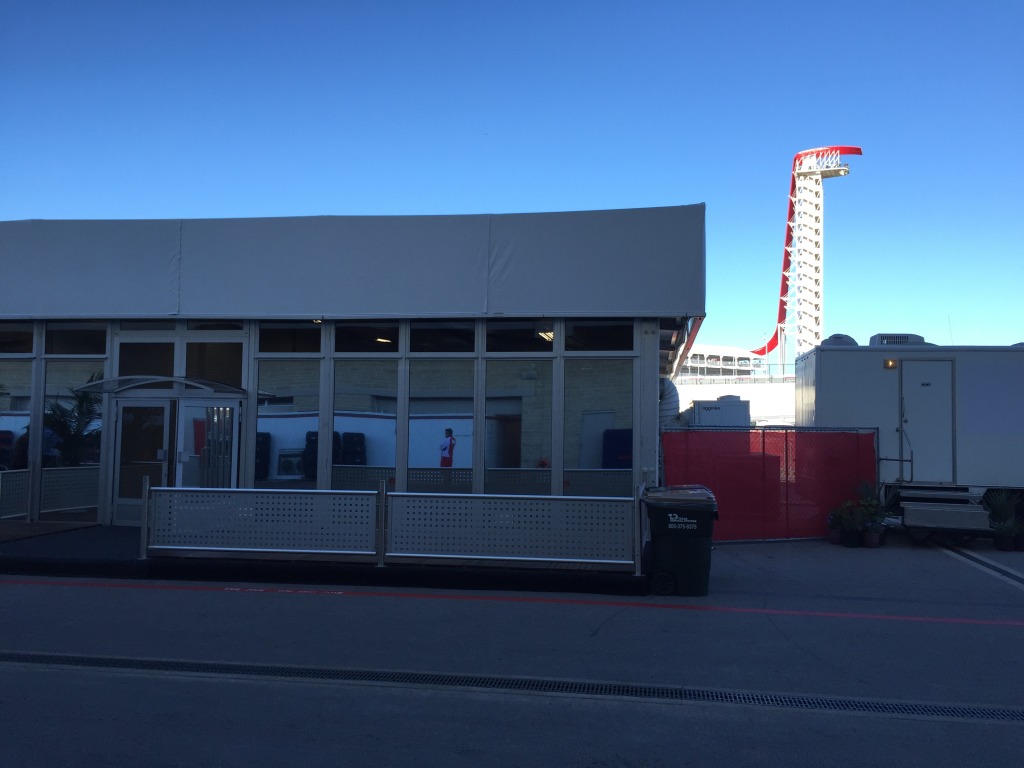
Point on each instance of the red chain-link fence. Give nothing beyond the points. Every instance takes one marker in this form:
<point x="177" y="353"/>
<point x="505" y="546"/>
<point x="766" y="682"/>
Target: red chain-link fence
<point x="772" y="483"/>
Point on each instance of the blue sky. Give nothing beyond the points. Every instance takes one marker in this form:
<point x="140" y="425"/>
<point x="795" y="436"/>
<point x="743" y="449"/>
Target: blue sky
<point x="225" y="109"/>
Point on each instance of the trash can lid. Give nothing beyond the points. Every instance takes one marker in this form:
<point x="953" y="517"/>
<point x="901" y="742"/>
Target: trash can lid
<point x="683" y="495"/>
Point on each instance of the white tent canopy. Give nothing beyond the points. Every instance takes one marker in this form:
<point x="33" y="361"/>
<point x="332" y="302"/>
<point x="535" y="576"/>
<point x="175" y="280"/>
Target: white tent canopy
<point x="647" y="262"/>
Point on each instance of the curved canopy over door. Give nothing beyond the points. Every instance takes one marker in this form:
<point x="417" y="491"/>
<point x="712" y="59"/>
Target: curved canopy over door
<point x="180" y="384"/>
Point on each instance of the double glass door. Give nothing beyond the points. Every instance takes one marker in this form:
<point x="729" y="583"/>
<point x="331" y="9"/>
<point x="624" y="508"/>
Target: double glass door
<point x="181" y="443"/>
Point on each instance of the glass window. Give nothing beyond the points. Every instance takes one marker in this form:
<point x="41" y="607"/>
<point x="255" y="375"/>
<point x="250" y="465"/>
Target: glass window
<point x="214" y="361"/>
<point x="72" y="431"/>
<point x="215" y="325"/>
<point x="15" y="412"/>
<point x="148" y="325"/>
<point x="286" y="423"/>
<point x="598" y="430"/>
<point x="520" y="335"/>
<point x="598" y="335"/>
<point x="79" y="338"/>
<point x="74" y="416"/>
<point x="441" y="426"/>
<point x="365" y="408"/>
<point x="518" y="427"/>
<point x="366" y="337"/>
<point x="442" y="336"/>
<point x="146" y="359"/>
<point x="290" y="337"/>
<point x="15" y="338"/>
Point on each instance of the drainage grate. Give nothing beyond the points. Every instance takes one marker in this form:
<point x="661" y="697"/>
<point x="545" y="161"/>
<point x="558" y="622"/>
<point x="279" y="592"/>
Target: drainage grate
<point x="535" y="685"/>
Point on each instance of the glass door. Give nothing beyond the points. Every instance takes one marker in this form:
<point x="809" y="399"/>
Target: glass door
<point x="186" y="443"/>
<point x="207" y="450"/>
<point x="143" y="447"/>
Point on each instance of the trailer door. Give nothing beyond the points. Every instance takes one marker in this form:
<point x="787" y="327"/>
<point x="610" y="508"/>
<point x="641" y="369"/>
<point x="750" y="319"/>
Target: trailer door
<point x="927" y="407"/>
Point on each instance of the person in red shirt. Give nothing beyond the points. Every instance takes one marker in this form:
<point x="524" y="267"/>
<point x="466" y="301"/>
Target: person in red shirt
<point x="447" y="448"/>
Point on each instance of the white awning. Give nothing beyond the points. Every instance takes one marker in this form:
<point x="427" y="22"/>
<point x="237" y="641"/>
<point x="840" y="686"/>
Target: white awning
<point x="124" y="383"/>
<point x="646" y="262"/>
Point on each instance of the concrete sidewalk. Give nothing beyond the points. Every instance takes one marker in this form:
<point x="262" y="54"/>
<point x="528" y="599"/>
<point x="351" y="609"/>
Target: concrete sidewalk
<point x="59" y="549"/>
<point x="66" y="549"/>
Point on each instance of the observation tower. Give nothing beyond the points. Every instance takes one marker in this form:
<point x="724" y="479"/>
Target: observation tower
<point x="801" y="292"/>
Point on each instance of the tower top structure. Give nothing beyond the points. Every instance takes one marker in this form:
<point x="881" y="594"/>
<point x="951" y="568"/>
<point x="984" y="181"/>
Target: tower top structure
<point x="801" y="299"/>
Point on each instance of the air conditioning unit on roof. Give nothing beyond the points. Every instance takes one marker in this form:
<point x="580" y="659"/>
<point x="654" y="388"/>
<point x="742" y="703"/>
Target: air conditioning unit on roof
<point x="894" y="339"/>
<point x="839" y="340"/>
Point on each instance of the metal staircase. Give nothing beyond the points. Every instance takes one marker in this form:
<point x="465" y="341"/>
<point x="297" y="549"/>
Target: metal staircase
<point x="948" y="508"/>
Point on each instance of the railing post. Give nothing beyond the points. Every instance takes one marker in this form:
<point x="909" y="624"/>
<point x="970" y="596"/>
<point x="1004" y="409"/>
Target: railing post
<point x="144" y="533"/>
<point x="638" y="529"/>
<point x="382" y="502"/>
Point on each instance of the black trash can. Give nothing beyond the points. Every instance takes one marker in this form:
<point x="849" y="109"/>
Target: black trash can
<point x="682" y="520"/>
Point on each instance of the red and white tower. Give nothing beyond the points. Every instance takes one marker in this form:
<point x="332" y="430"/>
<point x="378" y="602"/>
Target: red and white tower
<point x="801" y="300"/>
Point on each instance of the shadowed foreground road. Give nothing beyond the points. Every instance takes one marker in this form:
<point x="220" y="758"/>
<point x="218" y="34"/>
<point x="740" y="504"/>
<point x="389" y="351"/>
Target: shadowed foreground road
<point x="803" y="654"/>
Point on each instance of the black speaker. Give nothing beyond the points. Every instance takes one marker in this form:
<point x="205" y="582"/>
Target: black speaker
<point x="353" y="448"/>
<point x="309" y="454"/>
<point x="617" y="449"/>
<point x="353" y="441"/>
<point x="262" y="455"/>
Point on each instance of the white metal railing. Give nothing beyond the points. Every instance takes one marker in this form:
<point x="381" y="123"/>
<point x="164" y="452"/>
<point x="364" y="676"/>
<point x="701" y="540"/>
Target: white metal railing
<point x="268" y="521"/>
<point x="511" y="528"/>
<point x="393" y="527"/>
<point x="14" y="493"/>
<point x="63" y="488"/>
<point x="70" y="488"/>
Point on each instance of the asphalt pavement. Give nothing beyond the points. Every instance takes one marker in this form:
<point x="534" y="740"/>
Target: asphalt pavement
<point x="802" y="653"/>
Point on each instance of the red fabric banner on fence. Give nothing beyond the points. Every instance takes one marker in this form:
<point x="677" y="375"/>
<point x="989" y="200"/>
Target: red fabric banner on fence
<point x="772" y="483"/>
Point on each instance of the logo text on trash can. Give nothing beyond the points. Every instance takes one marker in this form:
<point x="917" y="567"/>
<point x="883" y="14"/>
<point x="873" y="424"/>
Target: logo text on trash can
<point x="681" y="523"/>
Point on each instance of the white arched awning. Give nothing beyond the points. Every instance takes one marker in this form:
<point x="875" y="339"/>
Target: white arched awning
<point x="180" y="384"/>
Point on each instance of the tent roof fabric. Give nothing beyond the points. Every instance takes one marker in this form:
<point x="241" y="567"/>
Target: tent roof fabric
<point x="645" y="262"/>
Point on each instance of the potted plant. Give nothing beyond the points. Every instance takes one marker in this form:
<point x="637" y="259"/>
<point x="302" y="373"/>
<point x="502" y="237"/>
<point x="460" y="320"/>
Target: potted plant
<point x="858" y="521"/>
<point x="850" y="519"/>
<point x="873" y="514"/>
<point x="835" y="531"/>
<point x="74" y="427"/>
<point x="1002" y="516"/>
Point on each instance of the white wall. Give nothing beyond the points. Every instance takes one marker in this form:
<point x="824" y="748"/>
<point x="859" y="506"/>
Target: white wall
<point x="774" y="403"/>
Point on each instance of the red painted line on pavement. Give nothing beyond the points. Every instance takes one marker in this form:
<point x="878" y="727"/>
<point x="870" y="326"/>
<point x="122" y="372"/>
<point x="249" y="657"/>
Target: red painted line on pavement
<point x="515" y="599"/>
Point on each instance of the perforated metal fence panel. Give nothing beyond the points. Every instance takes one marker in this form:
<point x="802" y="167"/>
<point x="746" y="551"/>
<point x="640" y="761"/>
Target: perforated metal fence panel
<point x="263" y="521"/>
<point x="510" y="528"/>
<point x="14" y="493"/>
<point x="361" y="478"/>
<point x="437" y="480"/>
<point x="70" y="488"/>
<point x="526" y="482"/>
<point x="598" y="482"/>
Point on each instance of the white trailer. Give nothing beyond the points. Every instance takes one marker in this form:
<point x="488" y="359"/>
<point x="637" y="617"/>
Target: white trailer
<point x="950" y="419"/>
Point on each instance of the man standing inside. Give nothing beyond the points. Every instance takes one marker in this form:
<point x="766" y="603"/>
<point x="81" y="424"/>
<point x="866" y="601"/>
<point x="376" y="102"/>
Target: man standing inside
<point x="447" y="448"/>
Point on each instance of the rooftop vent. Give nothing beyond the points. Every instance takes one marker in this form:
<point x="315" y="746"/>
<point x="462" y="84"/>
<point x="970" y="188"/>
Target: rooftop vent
<point x="894" y="339"/>
<point x="839" y="340"/>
